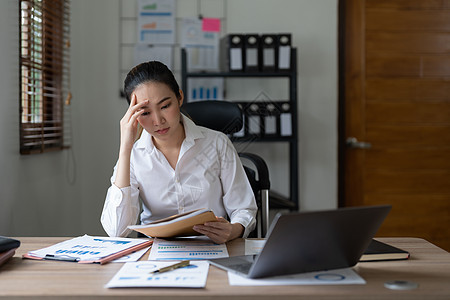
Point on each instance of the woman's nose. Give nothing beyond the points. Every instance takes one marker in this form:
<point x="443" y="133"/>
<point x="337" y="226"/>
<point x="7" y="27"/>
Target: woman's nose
<point x="158" y="119"/>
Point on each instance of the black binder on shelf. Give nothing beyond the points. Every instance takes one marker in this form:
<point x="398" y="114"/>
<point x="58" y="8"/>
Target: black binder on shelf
<point x="252" y="53"/>
<point x="284" y="51"/>
<point x="271" y="119"/>
<point x="285" y="119"/>
<point x="269" y="52"/>
<point x="267" y="119"/>
<point x="233" y="55"/>
<point x="252" y="115"/>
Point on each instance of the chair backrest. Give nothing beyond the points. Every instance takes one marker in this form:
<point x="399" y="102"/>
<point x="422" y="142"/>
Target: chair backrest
<point x="227" y="117"/>
<point x="218" y="115"/>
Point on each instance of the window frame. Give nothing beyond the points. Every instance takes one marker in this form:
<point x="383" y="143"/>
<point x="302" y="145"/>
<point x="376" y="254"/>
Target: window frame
<point x="44" y="41"/>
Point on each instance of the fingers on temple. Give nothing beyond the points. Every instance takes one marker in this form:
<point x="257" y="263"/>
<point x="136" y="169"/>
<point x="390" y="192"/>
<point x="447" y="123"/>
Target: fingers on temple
<point x="133" y="99"/>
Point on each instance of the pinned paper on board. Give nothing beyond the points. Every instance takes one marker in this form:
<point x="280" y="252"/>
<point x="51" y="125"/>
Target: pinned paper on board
<point x="156" y="21"/>
<point x="206" y="89"/>
<point x="202" y="47"/>
<point x="144" y="53"/>
<point x="211" y="24"/>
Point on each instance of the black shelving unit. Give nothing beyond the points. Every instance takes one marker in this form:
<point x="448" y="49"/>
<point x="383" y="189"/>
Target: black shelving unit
<point x="276" y="201"/>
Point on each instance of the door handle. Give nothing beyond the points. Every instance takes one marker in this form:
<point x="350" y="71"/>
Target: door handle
<point x="353" y="143"/>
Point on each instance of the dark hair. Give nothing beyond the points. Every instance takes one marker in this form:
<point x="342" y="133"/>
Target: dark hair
<point x="151" y="71"/>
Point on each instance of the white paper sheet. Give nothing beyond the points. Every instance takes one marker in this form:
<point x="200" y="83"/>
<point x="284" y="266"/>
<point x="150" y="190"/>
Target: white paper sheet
<point x="138" y="274"/>
<point x="186" y="249"/>
<point x="135" y="256"/>
<point x="156" y="21"/>
<point x="202" y="47"/>
<point x="144" y="52"/>
<point x="205" y="89"/>
<point x="331" y="277"/>
<point x="253" y="247"/>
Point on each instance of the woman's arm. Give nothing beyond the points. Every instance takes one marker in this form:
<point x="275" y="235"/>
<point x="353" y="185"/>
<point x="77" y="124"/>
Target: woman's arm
<point x="238" y="198"/>
<point x="121" y="206"/>
<point x="128" y="133"/>
<point x="120" y="210"/>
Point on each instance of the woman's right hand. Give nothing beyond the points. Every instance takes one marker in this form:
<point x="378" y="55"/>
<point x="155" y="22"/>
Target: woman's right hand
<point x="129" y="123"/>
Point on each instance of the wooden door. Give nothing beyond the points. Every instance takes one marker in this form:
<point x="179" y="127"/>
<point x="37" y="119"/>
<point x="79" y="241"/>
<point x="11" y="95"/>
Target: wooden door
<point x="395" y="56"/>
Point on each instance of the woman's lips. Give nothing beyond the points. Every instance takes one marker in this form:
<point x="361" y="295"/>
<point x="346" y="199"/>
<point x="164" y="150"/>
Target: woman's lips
<point x="162" y="131"/>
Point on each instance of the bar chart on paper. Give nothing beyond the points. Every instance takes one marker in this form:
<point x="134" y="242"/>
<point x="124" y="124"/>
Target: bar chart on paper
<point x="206" y="89"/>
<point x="139" y="274"/>
<point x="192" y="249"/>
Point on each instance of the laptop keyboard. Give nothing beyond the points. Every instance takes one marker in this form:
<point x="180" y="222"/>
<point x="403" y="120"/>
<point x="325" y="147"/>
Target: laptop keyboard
<point x="242" y="267"/>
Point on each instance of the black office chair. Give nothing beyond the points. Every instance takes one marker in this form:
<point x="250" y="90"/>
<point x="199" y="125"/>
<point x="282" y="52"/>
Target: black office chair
<point x="227" y="117"/>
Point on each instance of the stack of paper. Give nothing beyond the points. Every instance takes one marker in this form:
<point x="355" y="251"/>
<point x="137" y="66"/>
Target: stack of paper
<point x="90" y="249"/>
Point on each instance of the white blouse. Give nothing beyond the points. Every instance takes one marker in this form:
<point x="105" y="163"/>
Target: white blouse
<point x="208" y="174"/>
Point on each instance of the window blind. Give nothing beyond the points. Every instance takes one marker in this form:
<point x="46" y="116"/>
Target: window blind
<point x="44" y="72"/>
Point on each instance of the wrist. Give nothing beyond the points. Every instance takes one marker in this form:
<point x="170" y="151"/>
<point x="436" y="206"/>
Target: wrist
<point x="125" y="150"/>
<point x="238" y="230"/>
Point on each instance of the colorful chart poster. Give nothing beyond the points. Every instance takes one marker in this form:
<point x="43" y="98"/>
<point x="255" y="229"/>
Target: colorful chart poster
<point x="156" y="22"/>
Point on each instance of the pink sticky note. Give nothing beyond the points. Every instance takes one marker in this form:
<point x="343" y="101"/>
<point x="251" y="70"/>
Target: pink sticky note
<point x="211" y="24"/>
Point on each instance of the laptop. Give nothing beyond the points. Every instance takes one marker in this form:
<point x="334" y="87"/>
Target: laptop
<point x="311" y="241"/>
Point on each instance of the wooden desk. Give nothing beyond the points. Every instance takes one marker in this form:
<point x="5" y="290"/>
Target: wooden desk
<point x="429" y="266"/>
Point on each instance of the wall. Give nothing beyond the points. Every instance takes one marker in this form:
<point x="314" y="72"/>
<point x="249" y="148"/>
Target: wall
<point x="35" y="196"/>
<point x="314" y="28"/>
<point x="29" y="207"/>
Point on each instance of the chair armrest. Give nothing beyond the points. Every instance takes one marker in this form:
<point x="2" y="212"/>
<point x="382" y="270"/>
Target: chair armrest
<point x="261" y="167"/>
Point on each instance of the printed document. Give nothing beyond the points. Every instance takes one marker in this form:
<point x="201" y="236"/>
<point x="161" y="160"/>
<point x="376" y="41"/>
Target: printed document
<point x="331" y="277"/>
<point x="138" y="274"/>
<point x="87" y="248"/>
<point x="135" y="256"/>
<point x="186" y="249"/>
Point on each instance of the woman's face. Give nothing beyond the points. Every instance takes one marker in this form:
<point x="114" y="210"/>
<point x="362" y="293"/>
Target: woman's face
<point x="161" y="117"/>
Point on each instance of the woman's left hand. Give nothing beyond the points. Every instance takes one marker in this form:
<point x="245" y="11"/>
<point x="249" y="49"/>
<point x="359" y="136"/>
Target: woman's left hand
<point x="221" y="231"/>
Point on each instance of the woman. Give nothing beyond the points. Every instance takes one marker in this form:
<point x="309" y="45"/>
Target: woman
<point x="175" y="166"/>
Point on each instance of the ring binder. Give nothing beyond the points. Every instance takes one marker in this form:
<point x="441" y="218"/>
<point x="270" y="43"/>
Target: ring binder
<point x="233" y="55"/>
<point x="269" y="52"/>
<point x="284" y="51"/>
<point x="252" y="52"/>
